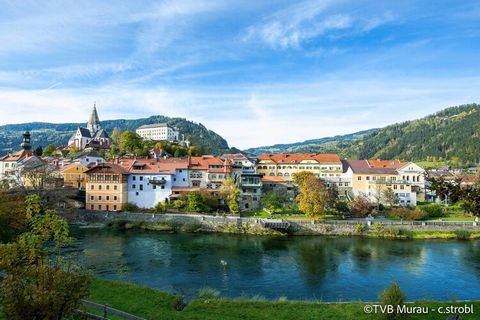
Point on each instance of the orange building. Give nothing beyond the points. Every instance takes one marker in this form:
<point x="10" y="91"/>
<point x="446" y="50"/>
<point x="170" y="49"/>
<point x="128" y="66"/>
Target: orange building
<point x="106" y="187"/>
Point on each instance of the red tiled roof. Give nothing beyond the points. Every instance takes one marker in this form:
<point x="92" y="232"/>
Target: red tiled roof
<point x="373" y="166"/>
<point x="107" y="167"/>
<point x="151" y="166"/>
<point x="299" y="157"/>
<point x="273" y="179"/>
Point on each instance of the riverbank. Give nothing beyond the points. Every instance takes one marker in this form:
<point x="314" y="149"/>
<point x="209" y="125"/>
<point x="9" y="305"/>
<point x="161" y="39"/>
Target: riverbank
<point x="171" y="222"/>
<point x="153" y="304"/>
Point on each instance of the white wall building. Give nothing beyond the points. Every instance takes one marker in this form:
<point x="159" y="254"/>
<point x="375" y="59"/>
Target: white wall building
<point x="158" y="132"/>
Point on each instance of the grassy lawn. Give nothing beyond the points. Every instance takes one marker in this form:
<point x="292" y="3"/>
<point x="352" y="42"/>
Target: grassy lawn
<point x="153" y="304"/>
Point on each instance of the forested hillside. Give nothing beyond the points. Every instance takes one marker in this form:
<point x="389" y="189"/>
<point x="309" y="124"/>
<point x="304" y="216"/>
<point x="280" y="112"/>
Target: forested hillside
<point x="451" y="136"/>
<point x="58" y="134"/>
<point x="322" y="145"/>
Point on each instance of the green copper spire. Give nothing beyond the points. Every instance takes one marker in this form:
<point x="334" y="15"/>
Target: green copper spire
<point x="26" y="144"/>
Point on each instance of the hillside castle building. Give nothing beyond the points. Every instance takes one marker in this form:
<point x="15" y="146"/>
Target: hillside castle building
<point x="92" y="136"/>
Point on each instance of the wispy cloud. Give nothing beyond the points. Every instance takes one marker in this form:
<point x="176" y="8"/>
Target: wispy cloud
<point x="307" y="20"/>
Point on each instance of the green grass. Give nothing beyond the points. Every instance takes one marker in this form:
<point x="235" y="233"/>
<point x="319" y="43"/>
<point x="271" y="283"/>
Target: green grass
<point x="153" y="304"/>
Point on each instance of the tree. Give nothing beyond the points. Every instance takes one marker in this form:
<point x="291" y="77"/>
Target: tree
<point x="131" y="142"/>
<point x="471" y="199"/>
<point x="12" y="216"/>
<point x="312" y="197"/>
<point x="39" y="282"/>
<point x="73" y="151"/>
<point x="38" y="151"/>
<point x="393" y="296"/>
<point x="361" y="206"/>
<point x="231" y="193"/>
<point x="195" y="202"/>
<point x="49" y="150"/>
<point x="116" y="136"/>
<point x="448" y="191"/>
<point x="272" y="200"/>
<point x="300" y="177"/>
<point x="390" y="198"/>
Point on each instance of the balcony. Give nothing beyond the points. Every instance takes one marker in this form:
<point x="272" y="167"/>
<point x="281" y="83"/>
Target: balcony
<point x="157" y="182"/>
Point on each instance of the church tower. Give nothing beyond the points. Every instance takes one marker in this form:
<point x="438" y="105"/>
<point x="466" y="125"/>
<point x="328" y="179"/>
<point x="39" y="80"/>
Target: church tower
<point x="26" y="144"/>
<point x="93" y="124"/>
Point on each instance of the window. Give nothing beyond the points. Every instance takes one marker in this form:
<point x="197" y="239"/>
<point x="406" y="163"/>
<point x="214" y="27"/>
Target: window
<point x="136" y="193"/>
<point x="114" y="207"/>
<point x="115" y="187"/>
<point x="108" y="187"/>
<point x="99" y="198"/>
<point x="134" y="186"/>
<point x="163" y="187"/>
<point x="99" y="207"/>
<point x="99" y="187"/>
<point x="91" y="207"/>
<point x="107" y="177"/>
<point x="141" y="187"/>
<point x="154" y="187"/>
<point x="107" y="198"/>
<point x="92" y="187"/>
<point x="92" y="198"/>
<point x="134" y="178"/>
<point x="359" y="178"/>
<point x="100" y="178"/>
<point x="141" y="178"/>
<point x="114" y="198"/>
<point x="367" y="178"/>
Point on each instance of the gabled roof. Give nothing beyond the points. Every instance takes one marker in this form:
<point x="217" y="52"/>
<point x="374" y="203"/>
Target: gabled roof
<point x="373" y="166"/>
<point x="152" y="166"/>
<point x="209" y="163"/>
<point x="107" y="167"/>
<point x="85" y="132"/>
<point x="19" y="155"/>
<point x="101" y="134"/>
<point x="273" y="179"/>
<point x="299" y="157"/>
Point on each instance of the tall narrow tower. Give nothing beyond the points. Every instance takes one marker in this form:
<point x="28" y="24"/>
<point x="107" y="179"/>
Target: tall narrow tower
<point x="93" y="124"/>
<point x="26" y="143"/>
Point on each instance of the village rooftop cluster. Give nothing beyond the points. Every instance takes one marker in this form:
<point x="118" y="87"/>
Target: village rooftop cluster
<point x="161" y="178"/>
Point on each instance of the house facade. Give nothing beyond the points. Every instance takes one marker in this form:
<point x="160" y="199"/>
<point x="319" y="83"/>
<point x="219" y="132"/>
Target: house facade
<point x="372" y="178"/>
<point x="324" y="166"/>
<point x="106" y="187"/>
<point x="74" y="175"/>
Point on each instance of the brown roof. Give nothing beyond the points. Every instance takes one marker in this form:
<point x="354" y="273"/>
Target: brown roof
<point x="365" y="166"/>
<point x="151" y="166"/>
<point x="107" y="167"/>
<point x="19" y="155"/>
<point x="299" y="157"/>
<point x="209" y="163"/>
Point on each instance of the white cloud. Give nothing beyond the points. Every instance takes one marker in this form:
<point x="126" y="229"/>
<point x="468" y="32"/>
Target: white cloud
<point x="307" y="20"/>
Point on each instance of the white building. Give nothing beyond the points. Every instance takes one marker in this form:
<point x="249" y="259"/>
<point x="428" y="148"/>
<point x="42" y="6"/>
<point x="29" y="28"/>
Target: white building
<point x="92" y="136"/>
<point x="158" y="132"/>
<point x="150" y="181"/>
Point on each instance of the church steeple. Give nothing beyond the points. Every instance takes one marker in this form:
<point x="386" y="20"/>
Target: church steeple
<point x="93" y="124"/>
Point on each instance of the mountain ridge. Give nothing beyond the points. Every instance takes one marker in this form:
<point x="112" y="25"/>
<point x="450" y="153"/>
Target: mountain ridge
<point x="44" y="133"/>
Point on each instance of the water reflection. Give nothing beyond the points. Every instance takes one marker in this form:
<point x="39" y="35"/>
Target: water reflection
<point x="296" y="267"/>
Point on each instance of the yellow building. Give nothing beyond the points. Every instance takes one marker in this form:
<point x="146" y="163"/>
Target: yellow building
<point x="74" y="175"/>
<point x="107" y="187"/>
<point x="372" y="178"/>
<point x="324" y="166"/>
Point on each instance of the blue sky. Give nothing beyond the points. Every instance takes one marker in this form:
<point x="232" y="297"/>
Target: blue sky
<point x="256" y="72"/>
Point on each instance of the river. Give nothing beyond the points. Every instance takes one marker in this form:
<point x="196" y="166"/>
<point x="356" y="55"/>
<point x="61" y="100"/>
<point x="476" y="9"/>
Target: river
<point x="299" y="268"/>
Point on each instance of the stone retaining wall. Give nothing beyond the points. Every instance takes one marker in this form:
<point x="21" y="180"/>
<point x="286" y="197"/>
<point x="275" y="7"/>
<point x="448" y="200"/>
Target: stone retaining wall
<point x="299" y="227"/>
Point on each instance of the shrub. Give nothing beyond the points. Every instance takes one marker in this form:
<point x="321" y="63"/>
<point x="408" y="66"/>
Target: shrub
<point x="377" y="227"/>
<point x="433" y="210"/>
<point x="392" y="296"/>
<point x="360" y="228"/>
<point x="391" y="232"/>
<point x="360" y="206"/>
<point x="408" y="214"/>
<point x="179" y="204"/>
<point x="161" y="207"/>
<point x="130" y="207"/>
<point x="462" y="234"/>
